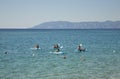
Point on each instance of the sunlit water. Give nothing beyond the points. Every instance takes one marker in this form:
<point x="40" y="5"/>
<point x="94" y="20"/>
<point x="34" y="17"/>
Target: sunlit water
<point x="101" y="60"/>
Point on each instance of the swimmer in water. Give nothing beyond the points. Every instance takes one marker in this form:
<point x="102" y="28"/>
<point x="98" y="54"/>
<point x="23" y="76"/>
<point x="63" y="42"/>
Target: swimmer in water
<point x="80" y="48"/>
<point x="37" y="46"/>
<point x="6" y="52"/>
<point x="56" y="47"/>
<point x="64" y="57"/>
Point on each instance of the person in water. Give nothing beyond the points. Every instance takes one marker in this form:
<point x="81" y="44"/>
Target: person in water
<point x="6" y="52"/>
<point x="37" y="46"/>
<point x="80" y="48"/>
<point x="56" y="48"/>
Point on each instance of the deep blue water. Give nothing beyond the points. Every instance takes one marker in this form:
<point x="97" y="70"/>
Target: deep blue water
<point x="100" y="61"/>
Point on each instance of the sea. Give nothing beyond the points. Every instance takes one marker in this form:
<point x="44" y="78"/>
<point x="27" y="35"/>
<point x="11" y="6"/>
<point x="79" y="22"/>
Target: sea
<point x="19" y="59"/>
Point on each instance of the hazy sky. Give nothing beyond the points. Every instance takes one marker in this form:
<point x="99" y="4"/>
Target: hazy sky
<point x="27" y="13"/>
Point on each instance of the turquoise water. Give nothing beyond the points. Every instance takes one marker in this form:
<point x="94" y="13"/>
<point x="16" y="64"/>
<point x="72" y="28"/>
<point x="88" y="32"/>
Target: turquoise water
<point x="100" y="61"/>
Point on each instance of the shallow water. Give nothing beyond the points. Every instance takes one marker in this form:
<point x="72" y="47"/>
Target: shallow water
<point x="100" y="61"/>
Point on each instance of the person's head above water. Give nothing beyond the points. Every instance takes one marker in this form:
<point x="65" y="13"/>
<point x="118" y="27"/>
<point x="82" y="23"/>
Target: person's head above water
<point x="56" y="46"/>
<point x="36" y="46"/>
<point x="6" y="52"/>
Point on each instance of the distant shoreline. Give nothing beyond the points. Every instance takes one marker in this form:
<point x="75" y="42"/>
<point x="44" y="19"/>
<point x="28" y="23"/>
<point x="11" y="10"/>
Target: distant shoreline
<point x="78" y="25"/>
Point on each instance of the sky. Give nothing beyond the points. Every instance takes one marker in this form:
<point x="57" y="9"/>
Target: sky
<point x="28" y="13"/>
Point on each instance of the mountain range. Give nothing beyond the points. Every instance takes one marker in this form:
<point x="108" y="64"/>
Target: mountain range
<point x="78" y="25"/>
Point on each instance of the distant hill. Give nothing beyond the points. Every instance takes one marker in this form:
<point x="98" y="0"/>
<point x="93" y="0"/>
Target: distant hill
<point x="78" y="25"/>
